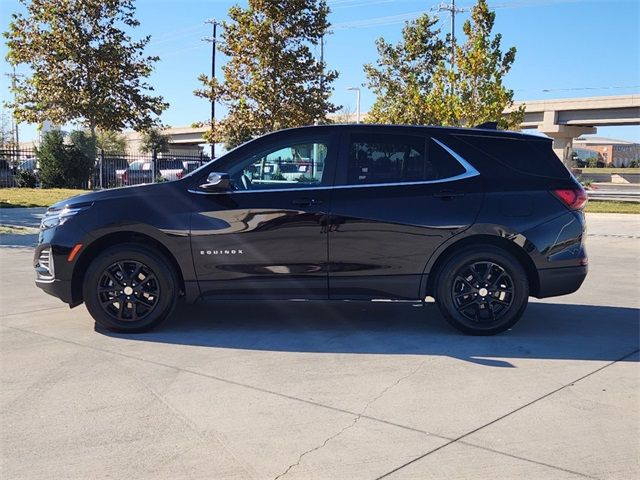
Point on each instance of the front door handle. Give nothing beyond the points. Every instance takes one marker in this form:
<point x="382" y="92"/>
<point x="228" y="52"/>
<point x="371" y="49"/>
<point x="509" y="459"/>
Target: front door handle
<point x="306" y="202"/>
<point x="447" y="194"/>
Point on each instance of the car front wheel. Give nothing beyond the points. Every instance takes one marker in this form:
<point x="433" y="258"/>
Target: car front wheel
<point x="129" y="288"/>
<point x="482" y="290"/>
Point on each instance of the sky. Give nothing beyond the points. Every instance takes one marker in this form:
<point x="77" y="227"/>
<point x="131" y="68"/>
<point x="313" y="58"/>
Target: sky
<point x="565" y="48"/>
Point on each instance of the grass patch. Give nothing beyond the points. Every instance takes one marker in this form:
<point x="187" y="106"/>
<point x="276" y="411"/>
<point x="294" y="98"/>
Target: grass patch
<point x="610" y="170"/>
<point x="35" y="197"/>
<point x="17" y="230"/>
<point x="606" y="206"/>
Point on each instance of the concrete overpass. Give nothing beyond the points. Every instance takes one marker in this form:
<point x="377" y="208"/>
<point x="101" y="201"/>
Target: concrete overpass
<point x="562" y="119"/>
<point x="568" y="118"/>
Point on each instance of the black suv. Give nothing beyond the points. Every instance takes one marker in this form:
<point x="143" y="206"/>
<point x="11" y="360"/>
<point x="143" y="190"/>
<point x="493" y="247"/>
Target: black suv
<point x="476" y="218"/>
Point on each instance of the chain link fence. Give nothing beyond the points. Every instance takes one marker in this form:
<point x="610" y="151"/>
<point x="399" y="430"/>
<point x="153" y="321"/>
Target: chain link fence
<point x="20" y="167"/>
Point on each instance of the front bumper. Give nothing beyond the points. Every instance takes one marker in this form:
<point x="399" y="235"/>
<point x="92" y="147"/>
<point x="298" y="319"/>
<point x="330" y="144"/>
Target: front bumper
<point x="560" y="281"/>
<point x="58" y="288"/>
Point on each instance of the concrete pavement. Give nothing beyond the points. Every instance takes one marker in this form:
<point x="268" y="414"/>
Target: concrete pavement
<point x="26" y="218"/>
<point x="341" y="390"/>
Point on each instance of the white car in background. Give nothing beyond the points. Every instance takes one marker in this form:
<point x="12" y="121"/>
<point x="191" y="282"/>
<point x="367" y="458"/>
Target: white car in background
<point x="170" y="168"/>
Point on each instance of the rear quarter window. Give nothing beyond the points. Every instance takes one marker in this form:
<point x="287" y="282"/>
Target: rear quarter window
<point x="528" y="156"/>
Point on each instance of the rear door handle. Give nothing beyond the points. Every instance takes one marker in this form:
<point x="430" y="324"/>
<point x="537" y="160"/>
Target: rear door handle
<point x="306" y="202"/>
<point x="446" y="194"/>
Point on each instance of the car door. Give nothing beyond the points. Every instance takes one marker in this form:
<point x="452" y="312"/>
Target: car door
<point x="268" y="236"/>
<point x="398" y="196"/>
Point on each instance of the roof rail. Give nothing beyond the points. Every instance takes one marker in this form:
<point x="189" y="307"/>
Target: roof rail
<point x="488" y="125"/>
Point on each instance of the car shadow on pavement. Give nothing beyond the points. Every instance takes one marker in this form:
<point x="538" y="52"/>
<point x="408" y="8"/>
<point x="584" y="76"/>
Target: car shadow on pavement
<point x="546" y="331"/>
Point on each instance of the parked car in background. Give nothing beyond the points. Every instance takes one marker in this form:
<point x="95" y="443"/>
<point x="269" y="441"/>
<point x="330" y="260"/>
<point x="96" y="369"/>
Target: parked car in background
<point x="6" y="174"/>
<point x="137" y="173"/>
<point x="111" y="170"/>
<point x="28" y="165"/>
<point x="170" y="168"/>
<point x="191" y="165"/>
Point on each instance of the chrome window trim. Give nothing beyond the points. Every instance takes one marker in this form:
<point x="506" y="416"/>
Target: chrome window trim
<point x="469" y="172"/>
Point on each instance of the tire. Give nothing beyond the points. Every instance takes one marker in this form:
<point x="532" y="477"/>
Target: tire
<point x="482" y="290"/>
<point x="116" y="301"/>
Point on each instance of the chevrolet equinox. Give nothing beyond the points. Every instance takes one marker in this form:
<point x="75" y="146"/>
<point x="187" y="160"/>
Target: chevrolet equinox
<point x="478" y="219"/>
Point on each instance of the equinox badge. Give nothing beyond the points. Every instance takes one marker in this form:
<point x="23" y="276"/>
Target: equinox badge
<point x="221" y="252"/>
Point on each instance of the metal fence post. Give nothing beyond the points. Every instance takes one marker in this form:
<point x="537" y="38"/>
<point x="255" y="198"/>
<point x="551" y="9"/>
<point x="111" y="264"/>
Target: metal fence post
<point x="101" y="164"/>
<point x="154" y="161"/>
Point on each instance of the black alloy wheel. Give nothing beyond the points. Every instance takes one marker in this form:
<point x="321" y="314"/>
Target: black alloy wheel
<point x="130" y="288"/>
<point x="482" y="290"/>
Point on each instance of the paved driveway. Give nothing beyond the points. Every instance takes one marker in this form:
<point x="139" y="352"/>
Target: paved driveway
<point x="327" y="390"/>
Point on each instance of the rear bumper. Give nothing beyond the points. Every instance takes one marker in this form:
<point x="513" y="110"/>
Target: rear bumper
<point x="560" y="281"/>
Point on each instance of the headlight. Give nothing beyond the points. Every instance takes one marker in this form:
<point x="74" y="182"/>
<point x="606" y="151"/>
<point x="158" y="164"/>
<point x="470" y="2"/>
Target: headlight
<point x="55" y="218"/>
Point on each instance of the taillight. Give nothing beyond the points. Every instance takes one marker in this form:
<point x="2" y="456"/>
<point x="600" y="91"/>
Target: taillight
<point x="125" y="177"/>
<point x="573" y="198"/>
<point x="180" y="174"/>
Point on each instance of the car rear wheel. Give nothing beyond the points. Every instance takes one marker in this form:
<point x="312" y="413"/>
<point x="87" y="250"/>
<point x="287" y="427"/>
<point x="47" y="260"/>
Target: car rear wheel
<point x="129" y="288"/>
<point x="482" y="290"/>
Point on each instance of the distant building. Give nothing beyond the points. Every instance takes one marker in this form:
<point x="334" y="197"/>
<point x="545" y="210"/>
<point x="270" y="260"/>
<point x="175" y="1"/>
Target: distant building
<point x="613" y="152"/>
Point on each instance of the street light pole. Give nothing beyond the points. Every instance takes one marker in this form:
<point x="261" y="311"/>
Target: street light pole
<point x="357" y="90"/>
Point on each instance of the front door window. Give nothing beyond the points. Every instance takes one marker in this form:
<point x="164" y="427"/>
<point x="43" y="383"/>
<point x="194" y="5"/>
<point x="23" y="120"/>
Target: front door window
<point x="292" y="166"/>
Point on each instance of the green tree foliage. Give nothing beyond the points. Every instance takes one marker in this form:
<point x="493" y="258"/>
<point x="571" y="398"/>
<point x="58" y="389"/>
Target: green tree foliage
<point x="402" y="77"/>
<point x="83" y="142"/>
<point x="153" y="140"/>
<point x="111" y="141"/>
<point x="474" y="92"/>
<point x="83" y="65"/>
<point x="415" y="84"/>
<point x="272" y="79"/>
<point x="62" y="165"/>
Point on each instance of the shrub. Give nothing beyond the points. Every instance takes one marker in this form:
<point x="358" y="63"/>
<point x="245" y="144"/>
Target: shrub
<point x="61" y="165"/>
<point x="595" y="162"/>
<point x="26" y="179"/>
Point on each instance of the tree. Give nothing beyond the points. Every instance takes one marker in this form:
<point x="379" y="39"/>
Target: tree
<point x="62" y="165"/>
<point x="84" y="66"/>
<point x="473" y="92"/>
<point x="153" y="140"/>
<point x="414" y="84"/>
<point x="272" y="79"/>
<point x="402" y="78"/>
<point x="83" y="142"/>
<point x="110" y="141"/>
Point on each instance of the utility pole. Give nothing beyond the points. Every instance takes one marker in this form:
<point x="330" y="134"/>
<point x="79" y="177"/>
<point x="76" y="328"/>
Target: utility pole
<point x="452" y="9"/>
<point x="14" y="123"/>
<point x="317" y="121"/>
<point x="213" y="39"/>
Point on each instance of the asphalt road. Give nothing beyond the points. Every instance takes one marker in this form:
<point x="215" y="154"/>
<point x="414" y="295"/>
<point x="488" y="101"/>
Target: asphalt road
<point x="340" y="390"/>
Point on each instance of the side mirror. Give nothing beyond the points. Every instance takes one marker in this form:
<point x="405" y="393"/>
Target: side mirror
<point x="217" y="181"/>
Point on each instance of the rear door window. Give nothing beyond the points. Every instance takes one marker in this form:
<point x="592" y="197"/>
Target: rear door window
<point x="383" y="159"/>
<point x="387" y="159"/>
